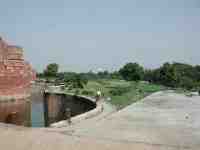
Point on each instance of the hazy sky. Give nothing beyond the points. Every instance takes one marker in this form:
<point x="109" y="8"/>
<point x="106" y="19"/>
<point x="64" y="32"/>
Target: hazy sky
<point x="81" y="35"/>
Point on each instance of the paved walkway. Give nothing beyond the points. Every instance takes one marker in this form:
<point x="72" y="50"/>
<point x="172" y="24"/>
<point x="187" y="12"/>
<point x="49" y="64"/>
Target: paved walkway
<point x="162" y="121"/>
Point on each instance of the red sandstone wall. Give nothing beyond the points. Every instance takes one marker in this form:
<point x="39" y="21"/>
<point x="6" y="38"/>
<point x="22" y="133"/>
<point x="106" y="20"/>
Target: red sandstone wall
<point x="15" y="112"/>
<point x="15" y="80"/>
<point x="15" y="73"/>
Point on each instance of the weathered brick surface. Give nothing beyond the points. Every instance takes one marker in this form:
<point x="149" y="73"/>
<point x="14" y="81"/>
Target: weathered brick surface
<point x="15" y="111"/>
<point x="15" y="73"/>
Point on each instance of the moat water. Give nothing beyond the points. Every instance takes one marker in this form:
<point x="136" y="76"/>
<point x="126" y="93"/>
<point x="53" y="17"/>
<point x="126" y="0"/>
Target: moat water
<point x="57" y="106"/>
<point x="37" y="107"/>
<point x="37" y="113"/>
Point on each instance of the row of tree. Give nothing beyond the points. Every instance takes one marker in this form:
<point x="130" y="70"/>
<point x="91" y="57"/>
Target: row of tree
<point x="175" y="75"/>
<point x="70" y="79"/>
<point x="171" y="75"/>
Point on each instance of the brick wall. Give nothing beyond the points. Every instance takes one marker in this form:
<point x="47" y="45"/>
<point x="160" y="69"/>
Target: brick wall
<point x="16" y="111"/>
<point x="15" y="73"/>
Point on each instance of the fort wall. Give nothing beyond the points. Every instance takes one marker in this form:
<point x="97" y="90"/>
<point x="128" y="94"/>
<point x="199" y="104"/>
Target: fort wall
<point x="16" y="76"/>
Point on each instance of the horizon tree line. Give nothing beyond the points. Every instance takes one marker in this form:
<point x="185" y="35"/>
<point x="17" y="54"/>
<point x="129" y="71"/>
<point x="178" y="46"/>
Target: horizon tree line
<point x="173" y="75"/>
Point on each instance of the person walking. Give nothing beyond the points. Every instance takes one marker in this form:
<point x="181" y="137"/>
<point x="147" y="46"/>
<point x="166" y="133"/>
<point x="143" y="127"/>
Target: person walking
<point x="98" y="96"/>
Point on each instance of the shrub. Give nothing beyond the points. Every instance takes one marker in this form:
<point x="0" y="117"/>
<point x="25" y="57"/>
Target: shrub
<point x="87" y="92"/>
<point x="132" y="72"/>
<point x="77" y="92"/>
<point x="118" y="91"/>
<point x="187" y="83"/>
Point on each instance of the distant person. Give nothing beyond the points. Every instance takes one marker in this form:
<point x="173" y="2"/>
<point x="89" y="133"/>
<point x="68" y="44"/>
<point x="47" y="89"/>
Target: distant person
<point x="68" y="115"/>
<point x="98" y="96"/>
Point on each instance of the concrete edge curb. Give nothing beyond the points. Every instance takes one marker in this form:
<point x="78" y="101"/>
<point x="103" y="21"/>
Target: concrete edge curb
<point x="79" y="118"/>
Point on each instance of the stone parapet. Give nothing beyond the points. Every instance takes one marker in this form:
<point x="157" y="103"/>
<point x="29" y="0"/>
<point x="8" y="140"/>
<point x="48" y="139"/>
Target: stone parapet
<point x="55" y="99"/>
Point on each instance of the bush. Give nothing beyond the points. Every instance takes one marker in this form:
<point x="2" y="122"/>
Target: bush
<point x="187" y="83"/>
<point x="118" y="91"/>
<point x="132" y="72"/>
<point x="198" y="89"/>
<point x="75" y="80"/>
<point x="88" y="92"/>
<point x="51" y="70"/>
<point x="77" y="92"/>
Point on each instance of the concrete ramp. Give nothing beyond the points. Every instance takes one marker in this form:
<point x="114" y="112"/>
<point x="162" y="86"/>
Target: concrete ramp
<point x="164" y="118"/>
<point x="162" y="121"/>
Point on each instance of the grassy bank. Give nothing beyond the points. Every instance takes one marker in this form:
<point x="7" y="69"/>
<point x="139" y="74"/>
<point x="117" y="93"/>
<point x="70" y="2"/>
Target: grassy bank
<point x="119" y="92"/>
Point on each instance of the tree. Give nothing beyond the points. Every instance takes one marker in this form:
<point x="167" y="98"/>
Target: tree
<point x="75" y="80"/>
<point x="197" y="72"/>
<point x="168" y="75"/>
<point x="185" y="70"/>
<point x="187" y="83"/>
<point x="175" y="75"/>
<point x="115" y="75"/>
<point x="104" y="74"/>
<point x="132" y="72"/>
<point x="51" y="70"/>
<point x="149" y="75"/>
<point x="91" y="75"/>
<point x="39" y="75"/>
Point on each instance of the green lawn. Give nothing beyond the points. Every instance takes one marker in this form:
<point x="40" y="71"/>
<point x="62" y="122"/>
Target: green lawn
<point x="121" y="93"/>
